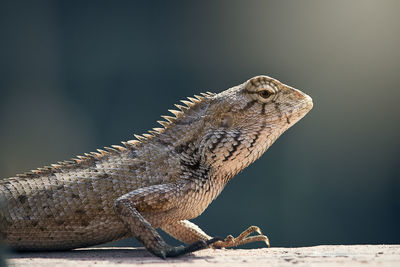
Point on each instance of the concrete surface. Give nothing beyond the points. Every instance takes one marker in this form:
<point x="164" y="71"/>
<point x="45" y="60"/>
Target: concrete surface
<point x="358" y="255"/>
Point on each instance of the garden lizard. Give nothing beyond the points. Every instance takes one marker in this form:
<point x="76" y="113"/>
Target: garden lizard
<point x="159" y="180"/>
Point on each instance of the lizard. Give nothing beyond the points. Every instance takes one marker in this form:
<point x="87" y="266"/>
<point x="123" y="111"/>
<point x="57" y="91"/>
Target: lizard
<point x="159" y="180"/>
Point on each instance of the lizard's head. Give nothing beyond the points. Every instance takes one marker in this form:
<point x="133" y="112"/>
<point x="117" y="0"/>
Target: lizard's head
<point x="229" y="130"/>
<point x="242" y="122"/>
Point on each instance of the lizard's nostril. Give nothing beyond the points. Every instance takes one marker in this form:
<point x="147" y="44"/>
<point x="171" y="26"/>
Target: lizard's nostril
<point x="298" y="94"/>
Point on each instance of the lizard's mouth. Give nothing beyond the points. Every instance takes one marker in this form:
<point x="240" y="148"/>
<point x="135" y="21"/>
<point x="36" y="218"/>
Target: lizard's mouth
<point x="293" y="116"/>
<point x="305" y="106"/>
<point x="309" y="101"/>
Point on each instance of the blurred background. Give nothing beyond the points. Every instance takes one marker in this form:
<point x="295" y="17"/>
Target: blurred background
<point x="80" y="75"/>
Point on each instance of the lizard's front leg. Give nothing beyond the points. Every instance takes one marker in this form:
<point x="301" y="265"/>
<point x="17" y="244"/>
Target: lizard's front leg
<point x="155" y="201"/>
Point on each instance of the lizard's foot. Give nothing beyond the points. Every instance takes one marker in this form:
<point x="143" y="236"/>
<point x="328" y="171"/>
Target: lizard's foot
<point x="181" y="250"/>
<point x="242" y="239"/>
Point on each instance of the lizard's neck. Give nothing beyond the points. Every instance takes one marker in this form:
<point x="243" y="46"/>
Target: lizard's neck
<point x="229" y="155"/>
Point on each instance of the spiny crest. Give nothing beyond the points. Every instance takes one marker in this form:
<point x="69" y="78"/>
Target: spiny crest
<point x="177" y="113"/>
<point x="88" y="158"/>
<point x="91" y="157"/>
<point x="182" y="109"/>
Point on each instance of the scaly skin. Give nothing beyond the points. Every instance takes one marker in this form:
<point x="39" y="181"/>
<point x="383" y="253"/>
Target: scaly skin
<point x="161" y="180"/>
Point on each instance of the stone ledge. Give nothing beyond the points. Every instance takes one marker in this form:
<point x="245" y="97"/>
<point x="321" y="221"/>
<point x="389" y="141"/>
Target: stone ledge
<point x="355" y="255"/>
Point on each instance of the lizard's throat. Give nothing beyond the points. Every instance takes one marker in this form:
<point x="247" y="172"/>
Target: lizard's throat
<point x="227" y="166"/>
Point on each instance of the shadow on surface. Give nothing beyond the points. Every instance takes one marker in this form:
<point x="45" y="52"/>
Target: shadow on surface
<point x="110" y="254"/>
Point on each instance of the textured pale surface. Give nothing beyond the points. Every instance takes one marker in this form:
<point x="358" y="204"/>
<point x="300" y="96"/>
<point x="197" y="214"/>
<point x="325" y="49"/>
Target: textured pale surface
<point x="360" y="255"/>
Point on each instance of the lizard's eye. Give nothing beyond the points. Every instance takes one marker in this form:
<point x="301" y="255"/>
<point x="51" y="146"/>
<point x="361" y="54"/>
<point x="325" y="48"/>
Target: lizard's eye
<point x="262" y="88"/>
<point x="265" y="93"/>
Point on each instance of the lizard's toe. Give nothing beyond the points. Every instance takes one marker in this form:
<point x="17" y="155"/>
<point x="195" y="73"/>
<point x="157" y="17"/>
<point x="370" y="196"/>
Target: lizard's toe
<point x="243" y="238"/>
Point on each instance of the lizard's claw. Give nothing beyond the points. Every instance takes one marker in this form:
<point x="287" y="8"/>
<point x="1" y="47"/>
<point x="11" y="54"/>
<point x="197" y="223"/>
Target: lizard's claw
<point x="201" y="244"/>
<point x="242" y="239"/>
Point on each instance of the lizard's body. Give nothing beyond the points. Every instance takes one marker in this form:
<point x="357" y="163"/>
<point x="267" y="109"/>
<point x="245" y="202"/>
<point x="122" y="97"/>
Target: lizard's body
<point x="158" y="181"/>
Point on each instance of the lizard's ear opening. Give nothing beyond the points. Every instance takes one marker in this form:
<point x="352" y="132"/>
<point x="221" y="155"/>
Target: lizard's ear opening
<point x="226" y="120"/>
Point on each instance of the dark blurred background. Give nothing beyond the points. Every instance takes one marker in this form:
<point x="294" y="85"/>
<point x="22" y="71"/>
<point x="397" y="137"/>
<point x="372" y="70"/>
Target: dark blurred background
<point x="79" y="75"/>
